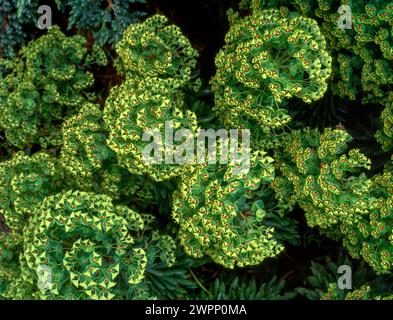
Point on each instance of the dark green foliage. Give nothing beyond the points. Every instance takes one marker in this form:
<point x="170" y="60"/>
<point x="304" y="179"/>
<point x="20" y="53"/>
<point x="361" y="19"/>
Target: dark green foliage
<point x="106" y="20"/>
<point x="246" y="288"/>
<point x="322" y="283"/>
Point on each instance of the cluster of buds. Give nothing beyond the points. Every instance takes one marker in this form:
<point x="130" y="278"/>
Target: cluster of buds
<point x="84" y="142"/>
<point x="385" y="135"/>
<point x="24" y="182"/>
<point x="368" y="70"/>
<point x="156" y="60"/>
<point x="366" y="292"/>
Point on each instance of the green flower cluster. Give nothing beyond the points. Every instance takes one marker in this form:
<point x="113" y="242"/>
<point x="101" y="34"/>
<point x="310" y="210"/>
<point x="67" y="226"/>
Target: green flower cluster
<point x="157" y="61"/>
<point x="155" y="49"/>
<point x="79" y="245"/>
<point x="364" y="293"/>
<point x="384" y="135"/>
<point x="86" y="242"/>
<point x="104" y="202"/>
<point x="69" y="218"/>
<point x="223" y="214"/>
<point x="318" y="172"/>
<point x="10" y="248"/>
<point x="49" y="80"/>
<point x="84" y="142"/>
<point x="363" y="54"/>
<point x="93" y="166"/>
<point x="331" y="186"/>
<point x="135" y="113"/>
<point x="269" y="57"/>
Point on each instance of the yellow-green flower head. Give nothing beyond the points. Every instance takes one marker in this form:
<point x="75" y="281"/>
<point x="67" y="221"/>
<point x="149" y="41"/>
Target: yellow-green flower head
<point x="84" y="142"/>
<point x="269" y="58"/>
<point x="360" y="51"/>
<point x="85" y="243"/>
<point x="24" y="182"/>
<point x="50" y="78"/>
<point x="222" y="214"/>
<point x="330" y="185"/>
<point x="136" y="113"/>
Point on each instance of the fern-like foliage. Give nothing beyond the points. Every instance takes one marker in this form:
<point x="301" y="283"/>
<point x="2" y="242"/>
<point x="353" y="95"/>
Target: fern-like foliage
<point x="329" y="184"/>
<point x="167" y="273"/>
<point x="107" y="20"/>
<point x="363" y="55"/>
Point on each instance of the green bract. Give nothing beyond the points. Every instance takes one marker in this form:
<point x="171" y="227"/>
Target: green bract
<point x="49" y="80"/>
<point x="317" y="168"/>
<point x="155" y="49"/>
<point x="363" y="55"/>
<point x="221" y="214"/>
<point x="10" y="249"/>
<point x="328" y="183"/>
<point x="93" y="166"/>
<point x="269" y="58"/>
<point x="87" y="243"/>
<point x="84" y="142"/>
<point x="117" y="195"/>
<point x="136" y="112"/>
<point x="385" y="134"/>
<point x="364" y="293"/>
<point x="24" y="182"/>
